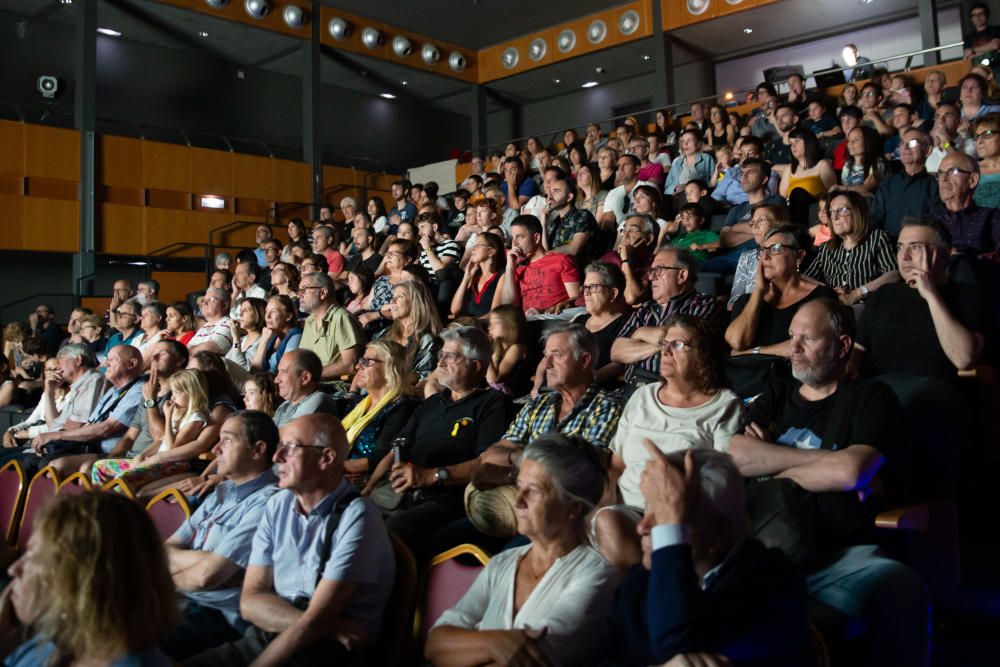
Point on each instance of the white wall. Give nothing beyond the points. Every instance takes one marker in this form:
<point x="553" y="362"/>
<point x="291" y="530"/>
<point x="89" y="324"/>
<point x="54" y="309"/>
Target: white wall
<point x="877" y="42"/>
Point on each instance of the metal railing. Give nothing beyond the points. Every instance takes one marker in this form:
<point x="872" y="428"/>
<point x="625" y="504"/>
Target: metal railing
<point x="557" y="133"/>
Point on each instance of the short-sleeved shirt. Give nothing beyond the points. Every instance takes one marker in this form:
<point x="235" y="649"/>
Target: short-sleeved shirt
<point x="840" y="267"/>
<point x="974" y="229"/>
<point x="528" y="188"/>
<point x="594" y="417"/>
<point x="444" y="250"/>
<point x="898" y="333"/>
<point x="316" y="402"/>
<point x="561" y="229"/>
<point x="446" y="432"/>
<point x="82" y="397"/>
<point x="372" y="263"/>
<point x="141" y="422"/>
<point x="870" y="416"/>
<point x="119" y="405"/>
<point x="406" y="214"/>
<point x="697" y="237"/>
<point x="220" y="333"/>
<point x="225" y="525"/>
<point x="542" y="282"/>
<point x="290" y="543"/>
<point x="652" y="314"/>
<point x="773" y="323"/>
<point x="335" y="332"/>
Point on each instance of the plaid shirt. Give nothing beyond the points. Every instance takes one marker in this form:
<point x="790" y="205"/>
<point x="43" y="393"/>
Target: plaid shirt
<point x="652" y="314"/>
<point x="594" y="417"/>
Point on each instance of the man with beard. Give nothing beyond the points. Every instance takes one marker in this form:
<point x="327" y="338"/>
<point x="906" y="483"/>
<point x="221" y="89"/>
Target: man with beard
<point x="785" y="120"/>
<point x="329" y="331"/>
<point x="534" y="279"/>
<point x="831" y="445"/>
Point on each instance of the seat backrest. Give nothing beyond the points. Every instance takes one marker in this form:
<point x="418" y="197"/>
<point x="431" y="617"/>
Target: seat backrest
<point x="447" y="581"/>
<point x="393" y="644"/>
<point x="118" y="485"/>
<point x="75" y="484"/>
<point x="43" y="486"/>
<point x="168" y="511"/>
<point x="11" y="497"/>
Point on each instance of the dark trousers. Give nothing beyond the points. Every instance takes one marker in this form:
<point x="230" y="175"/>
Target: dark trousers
<point x="245" y="650"/>
<point x="415" y="521"/>
<point x="200" y="629"/>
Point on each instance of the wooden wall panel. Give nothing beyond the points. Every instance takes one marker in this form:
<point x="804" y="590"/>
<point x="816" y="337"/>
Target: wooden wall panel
<point x="12" y="138"/>
<point x="253" y="177"/>
<point x="166" y="166"/>
<point x="211" y="172"/>
<point x="121" y="230"/>
<point x="162" y="227"/>
<point x="52" y="152"/>
<point x="176" y="285"/>
<point x="119" y="161"/>
<point x="733" y="6"/>
<point x="51" y="224"/>
<point x="292" y="181"/>
<point x="11" y="207"/>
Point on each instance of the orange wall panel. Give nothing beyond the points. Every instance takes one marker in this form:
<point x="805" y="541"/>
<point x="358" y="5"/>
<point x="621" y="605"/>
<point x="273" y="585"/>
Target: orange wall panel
<point x="10" y="221"/>
<point x="733" y="6"/>
<point x="212" y="172"/>
<point x="176" y="285"/>
<point x="291" y="181"/>
<point x="51" y="225"/>
<point x="119" y="161"/>
<point x="166" y="166"/>
<point x="52" y="152"/>
<point x="12" y="154"/>
<point x="162" y="227"/>
<point x="120" y="230"/>
<point x="253" y="177"/>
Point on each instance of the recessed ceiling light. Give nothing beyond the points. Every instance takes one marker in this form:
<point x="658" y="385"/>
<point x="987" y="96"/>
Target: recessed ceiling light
<point x="867" y="2"/>
<point x="388" y="96"/>
<point x="65" y="2"/>
<point x="109" y="32"/>
<point x="600" y="70"/>
<point x="405" y="83"/>
<point x="202" y="33"/>
<point x="589" y="84"/>
<point x="646" y="58"/>
<point x="557" y="81"/>
<point x="748" y="30"/>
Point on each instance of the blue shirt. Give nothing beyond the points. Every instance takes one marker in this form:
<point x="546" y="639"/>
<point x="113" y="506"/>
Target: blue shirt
<point x="261" y="259"/>
<point x="38" y="651"/>
<point x="703" y="168"/>
<point x="123" y="412"/>
<point x="225" y="525"/>
<point x="729" y="190"/>
<point x="291" y="543"/>
<point x="527" y="188"/>
<point x="407" y="214"/>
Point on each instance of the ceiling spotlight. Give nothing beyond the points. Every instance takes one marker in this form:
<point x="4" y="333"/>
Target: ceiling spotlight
<point x="405" y="83"/>
<point x="456" y="61"/>
<point x="589" y="84"/>
<point x="49" y="86"/>
<point x="600" y="70"/>
<point x="65" y="2"/>
<point x="597" y="31"/>
<point x="566" y="41"/>
<point x="257" y="9"/>
<point x="401" y="46"/>
<point x="109" y="32"/>
<point x="628" y="22"/>
<point x="697" y="7"/>
<point x="537" y="49"/>
<point x="217" y="4"/>
<point x="372" y="38"/>
<point x="293" y="16"/>
<point x="339" y="29"/>
<point x="646" y="58"/>
<point x="748" y="30"/>
<point x="202" y="34"/>
<point x="388" y="96"/>
<point x="729" y="96"/>
<point x="510" y="57"/>
<point x="557" y="81"/>
<point x="430" y="54"/>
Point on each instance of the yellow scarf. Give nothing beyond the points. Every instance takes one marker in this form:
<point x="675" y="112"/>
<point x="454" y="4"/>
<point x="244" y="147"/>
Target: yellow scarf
<point x="357" y="419"/>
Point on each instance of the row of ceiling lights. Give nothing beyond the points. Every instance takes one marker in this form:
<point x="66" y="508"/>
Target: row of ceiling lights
<point x="597" y="32"/>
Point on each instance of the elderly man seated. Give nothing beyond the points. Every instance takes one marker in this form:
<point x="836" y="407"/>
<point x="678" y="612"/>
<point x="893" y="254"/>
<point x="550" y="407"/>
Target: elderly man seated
<point x="704" y="585"/>
<point x="634" y="254"/>
<point x="823" y="456"/>
<point x="912" y="192"/>
<point x="217" y="333"/>
<point x="329" y="331"/>
<point x="209" y="553"/>
<point x="321" y="567"/>
<point x="975" y="230"/>
<point x="298" y="383"/>
<point x="672" y="278"/>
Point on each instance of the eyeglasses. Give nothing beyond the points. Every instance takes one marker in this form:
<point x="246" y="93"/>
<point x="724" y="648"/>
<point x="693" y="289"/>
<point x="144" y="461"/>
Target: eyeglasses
<point x="88" y="326"/>
<point x="868" y="94"/>
<point x="289" y="448"/>
<point x="450" y="356"/>
<point x="774" y="249"/>
<point x="125" y="313"/>
<point x="393" y="253"/>
<point x="842" y="212"/>
<point x="985" y="134"/>
<point x="368" y="362"/>
<point x="305" y="288"/>
<point x="945" y="174"/>
<point x="591" y="289"/>
<point x="675" y="345"/>
<point x="655" y="271"/>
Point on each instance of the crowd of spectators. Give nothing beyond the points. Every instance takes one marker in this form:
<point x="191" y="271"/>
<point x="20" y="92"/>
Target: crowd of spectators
<point x="659" y="374"/>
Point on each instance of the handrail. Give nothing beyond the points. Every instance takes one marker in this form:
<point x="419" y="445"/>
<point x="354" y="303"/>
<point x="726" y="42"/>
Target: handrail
<point x="909" y="56"/>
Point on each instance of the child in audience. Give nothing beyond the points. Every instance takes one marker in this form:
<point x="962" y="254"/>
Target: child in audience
<point x="820" y="122"/>
<point x="507" y="331"/>
<point x="723" y="160"/>
<point x="695" y="237"/>
<point x="260" y="393"/>
<point x="696" y="192"/>
<point x="821" y="230"/>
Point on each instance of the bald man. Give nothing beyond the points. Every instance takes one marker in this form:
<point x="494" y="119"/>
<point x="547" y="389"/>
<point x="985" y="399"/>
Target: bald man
<point x="974" y="230"/>
<point x="322" y="566"/>
<point x="106" y="423"/>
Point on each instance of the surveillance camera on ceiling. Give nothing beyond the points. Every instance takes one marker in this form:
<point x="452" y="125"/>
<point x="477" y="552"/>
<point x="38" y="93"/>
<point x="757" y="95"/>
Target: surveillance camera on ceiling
<point x="49" y="86"/>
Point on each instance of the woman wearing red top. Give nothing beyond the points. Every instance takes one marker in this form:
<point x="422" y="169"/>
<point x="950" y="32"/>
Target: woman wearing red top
<point x="479" y="283"/>
<point x="180" y="324"/>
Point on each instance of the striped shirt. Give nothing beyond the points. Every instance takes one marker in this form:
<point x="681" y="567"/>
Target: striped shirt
<point x="652" y="314"/>
<point x="443" y="250"/>
<point x="858" y="266"/>
<point x="594" y="417"/>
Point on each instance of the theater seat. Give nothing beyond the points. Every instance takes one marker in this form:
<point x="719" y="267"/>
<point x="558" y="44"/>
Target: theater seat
<point x="75" y="484"/>
<point x="43" y="486"/>
<point x="168" y="511"/>
<point x="393" y="646"/>
<point x="927" y="541"/>
<point x="11" y="497"/>
<point x="445" y="583"/>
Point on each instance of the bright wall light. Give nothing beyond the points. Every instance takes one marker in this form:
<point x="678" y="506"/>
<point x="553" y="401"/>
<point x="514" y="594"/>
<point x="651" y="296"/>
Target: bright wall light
<point x="211" y="201"/>
<point x="388" y="96"/>
<point x="589" y="84"/>
<point x="109" y="32"/>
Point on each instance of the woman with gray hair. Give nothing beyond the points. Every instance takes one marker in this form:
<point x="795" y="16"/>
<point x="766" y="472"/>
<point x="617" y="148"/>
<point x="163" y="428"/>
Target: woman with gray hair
<point x="151" y="321"/>
<point x="545" y="602"/>
<point x="604" y="297"/>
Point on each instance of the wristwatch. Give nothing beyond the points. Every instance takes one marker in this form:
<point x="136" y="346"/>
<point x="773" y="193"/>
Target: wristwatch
<point x="149" y="403"/>
<point x="440" y="476"/>
<point x="865" y="291"/>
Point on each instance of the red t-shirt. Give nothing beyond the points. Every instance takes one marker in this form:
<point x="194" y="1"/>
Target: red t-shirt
<point x="334" y="260"/>
<point x="839" y="156"/>
<point x="541" y="282"/>
<point x="652" y="172"/>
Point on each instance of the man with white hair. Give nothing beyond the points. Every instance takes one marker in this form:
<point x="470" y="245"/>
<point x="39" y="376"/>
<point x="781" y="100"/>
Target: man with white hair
<point x="147" y="292"/>
<point x="217" y="333"/>
<point x="349" y="207"/>
<point x="264" y="234"/>
<point x="705" y="588"/>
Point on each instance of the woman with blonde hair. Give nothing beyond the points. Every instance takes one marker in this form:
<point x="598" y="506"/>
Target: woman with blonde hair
<point x="415" y="326"/>
<point x="383" y="412"/>
<point x="76" y="587"/>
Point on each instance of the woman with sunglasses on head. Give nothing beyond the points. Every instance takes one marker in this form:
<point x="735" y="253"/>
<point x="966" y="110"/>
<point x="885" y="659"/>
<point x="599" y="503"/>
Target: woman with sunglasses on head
<point x="987" y="136"/>
<point x="761" y="319"/>
<point x="857" y="259"/>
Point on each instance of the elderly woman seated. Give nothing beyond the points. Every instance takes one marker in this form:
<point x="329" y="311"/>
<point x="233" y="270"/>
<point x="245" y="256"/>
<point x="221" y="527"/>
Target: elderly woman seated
<point x="543" y="603"/>
<point x="689" y="409"/>
<point x="74" y="599"/>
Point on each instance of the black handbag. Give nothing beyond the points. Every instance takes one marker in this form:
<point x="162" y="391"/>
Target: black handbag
<point x="784" y="515"/>
<point x="750" y="374"/>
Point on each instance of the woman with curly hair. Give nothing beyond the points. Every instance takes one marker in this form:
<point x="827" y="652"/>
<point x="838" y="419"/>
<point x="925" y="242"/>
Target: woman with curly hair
<point x="74" y="599"/>
<point x="690" y="409"/>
